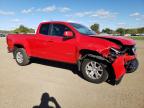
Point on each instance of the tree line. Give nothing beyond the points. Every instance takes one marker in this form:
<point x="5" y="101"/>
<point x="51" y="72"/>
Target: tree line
<point x="20" y="29"/>
<point x="23" y="29"/>
<point x="121" y="31"/>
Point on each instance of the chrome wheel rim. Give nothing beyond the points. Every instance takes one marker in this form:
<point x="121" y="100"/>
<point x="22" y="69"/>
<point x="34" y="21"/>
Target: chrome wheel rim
<point x="94" y="70"/>
<point x="19" y="57"/>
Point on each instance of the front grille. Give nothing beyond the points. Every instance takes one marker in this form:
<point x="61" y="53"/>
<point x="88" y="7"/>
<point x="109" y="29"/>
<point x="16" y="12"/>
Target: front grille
<point x="130" y="50"/>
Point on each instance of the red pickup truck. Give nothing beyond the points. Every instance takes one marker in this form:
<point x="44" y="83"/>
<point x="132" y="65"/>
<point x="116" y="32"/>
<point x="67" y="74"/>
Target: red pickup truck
<point x="97" y="57"/>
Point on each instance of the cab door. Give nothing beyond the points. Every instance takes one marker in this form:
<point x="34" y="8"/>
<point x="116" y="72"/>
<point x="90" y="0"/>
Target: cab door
<point x="40" y="43"/>
<point x="62" y="50"/>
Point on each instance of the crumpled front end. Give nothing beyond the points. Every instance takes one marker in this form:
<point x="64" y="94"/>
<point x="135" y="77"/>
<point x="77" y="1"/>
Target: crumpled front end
<point x="122" y="61"/>
<point x="118" y="67"/>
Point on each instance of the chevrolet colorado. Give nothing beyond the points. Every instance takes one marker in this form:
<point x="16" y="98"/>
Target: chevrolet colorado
<point x="97" y="57"/>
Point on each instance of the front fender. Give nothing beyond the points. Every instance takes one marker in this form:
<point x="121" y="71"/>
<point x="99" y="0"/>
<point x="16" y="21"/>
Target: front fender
<point x="119" y="67"/>
<point x="91" y="56"/>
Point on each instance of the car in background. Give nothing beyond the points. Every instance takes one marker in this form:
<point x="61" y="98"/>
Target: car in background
<point x="142" y="34"/>
<point x="127" y="35"/>
<point x="2" y="35"/>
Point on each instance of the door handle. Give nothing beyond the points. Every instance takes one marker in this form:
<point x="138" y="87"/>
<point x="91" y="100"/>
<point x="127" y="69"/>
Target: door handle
<point x="50" y="41"/>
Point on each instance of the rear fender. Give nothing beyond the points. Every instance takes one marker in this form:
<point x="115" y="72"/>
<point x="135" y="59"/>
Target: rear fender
<point x="25" y="46"/>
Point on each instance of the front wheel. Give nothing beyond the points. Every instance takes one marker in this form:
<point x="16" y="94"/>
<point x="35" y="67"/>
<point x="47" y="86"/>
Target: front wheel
<point x="94" y="71"/>
<point x="21" y="57"/>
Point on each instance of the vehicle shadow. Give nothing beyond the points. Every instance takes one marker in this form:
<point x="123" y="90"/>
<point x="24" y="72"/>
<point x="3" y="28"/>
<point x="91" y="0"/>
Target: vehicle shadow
<point x="45" y="99"/>
<point x="72" y="67"/>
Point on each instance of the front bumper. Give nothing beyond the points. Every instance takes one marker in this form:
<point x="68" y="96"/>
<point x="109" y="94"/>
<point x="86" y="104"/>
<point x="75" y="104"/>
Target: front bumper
<point x="124" y="64"/>
<point x="118" y="67"/>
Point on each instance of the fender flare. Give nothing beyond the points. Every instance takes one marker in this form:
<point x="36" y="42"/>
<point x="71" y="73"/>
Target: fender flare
<point x="91" y="56"/>
<point x="25" y="46"/>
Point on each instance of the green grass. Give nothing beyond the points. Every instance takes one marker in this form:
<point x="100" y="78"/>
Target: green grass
<point x="136" y="37"/>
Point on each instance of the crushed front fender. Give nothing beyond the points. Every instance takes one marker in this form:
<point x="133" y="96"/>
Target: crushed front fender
<point x="119" y="67"/>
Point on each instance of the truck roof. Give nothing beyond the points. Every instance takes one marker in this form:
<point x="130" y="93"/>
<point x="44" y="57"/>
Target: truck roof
<point x="54" y="22"/>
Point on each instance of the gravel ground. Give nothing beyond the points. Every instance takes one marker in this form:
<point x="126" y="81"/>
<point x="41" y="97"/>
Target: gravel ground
<point x="23" y="87"/>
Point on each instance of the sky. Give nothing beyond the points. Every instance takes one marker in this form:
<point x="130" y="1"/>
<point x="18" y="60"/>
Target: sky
<point x="107" y="13"/>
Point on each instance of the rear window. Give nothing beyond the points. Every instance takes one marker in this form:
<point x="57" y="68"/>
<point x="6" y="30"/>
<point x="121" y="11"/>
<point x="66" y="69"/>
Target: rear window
<point x="44" y="29"/>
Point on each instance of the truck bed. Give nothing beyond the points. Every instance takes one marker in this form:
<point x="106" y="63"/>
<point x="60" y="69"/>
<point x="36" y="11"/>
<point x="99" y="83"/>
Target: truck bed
<point x="17" y="38"/>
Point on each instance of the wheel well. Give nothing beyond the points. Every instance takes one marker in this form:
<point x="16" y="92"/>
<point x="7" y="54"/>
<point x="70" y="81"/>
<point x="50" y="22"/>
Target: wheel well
<point x="92" y="55"/>
<point x="18" y="46"/>
<point x="84" y="52"/>
<point x="15" y="47"/>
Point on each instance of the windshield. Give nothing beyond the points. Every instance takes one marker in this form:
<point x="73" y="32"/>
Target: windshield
<point x="82" y="29"/>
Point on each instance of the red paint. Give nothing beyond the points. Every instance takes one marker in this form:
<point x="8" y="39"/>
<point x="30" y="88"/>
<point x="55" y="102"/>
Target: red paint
<point x="56" y="48"/>
<point x="128" y="57"/>
<point x="118" y="67"/>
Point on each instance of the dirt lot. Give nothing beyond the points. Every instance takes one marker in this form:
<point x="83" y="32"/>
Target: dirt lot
<point x="22" y="87"/>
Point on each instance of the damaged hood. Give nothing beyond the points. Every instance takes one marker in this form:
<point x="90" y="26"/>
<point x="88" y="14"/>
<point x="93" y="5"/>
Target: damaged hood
<point x="100" y="43"/>
<point x="117" y="39"/>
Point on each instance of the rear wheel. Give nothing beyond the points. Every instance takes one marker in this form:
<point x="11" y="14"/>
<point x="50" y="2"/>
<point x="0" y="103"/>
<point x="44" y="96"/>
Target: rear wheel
<point x="94" y="71"/>
<point x="21" y="57"/>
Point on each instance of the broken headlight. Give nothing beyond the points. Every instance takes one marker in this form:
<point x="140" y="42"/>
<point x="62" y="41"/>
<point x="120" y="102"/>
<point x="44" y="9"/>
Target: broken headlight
<point x="113" y="53"/>
<point x="134" y="49"/>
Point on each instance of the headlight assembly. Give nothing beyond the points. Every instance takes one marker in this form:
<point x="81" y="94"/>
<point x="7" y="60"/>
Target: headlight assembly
<point x="113" y="53"/>
<point x="134" y="49"/>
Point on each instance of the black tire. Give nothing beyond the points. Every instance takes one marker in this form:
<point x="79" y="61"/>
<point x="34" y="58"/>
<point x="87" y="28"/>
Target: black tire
<point x="25" y="58"/>
<point x="14" y="52"/>
<point x="118" y="81"/>
<point x="132" y="66"/>
<point x="103" y="77"/>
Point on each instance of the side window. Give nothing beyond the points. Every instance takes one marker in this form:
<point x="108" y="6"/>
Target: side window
<point x="44" y="29"/>
<point x="59" y="29"/>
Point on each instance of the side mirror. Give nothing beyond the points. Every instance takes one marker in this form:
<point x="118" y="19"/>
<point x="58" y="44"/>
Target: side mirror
<point x="68" y="35"/>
